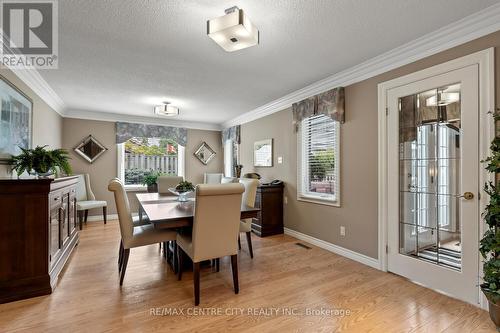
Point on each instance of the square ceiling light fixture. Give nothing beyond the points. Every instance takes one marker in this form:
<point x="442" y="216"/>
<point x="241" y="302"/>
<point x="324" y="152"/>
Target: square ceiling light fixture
<point x="166" y="109"/>
<point x="233" y="31"/>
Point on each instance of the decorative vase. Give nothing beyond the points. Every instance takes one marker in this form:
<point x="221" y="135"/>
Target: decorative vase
<point x="153" y="188"/>
<point x="494" y="310"/>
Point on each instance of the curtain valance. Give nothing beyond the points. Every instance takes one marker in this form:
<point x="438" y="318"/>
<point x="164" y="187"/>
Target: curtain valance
<point x="125" y="131"/>
<point x="330" y="103"/>
<point x="232" y="133"/>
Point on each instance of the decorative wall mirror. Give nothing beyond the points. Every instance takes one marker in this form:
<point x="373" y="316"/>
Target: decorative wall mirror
<point x="204" y="153"/>
<point x="90" y="149"/>
<point x="263" y="153"/>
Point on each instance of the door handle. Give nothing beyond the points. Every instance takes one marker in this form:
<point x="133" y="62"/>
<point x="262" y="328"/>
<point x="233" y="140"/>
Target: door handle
<point x="467" y="196"/>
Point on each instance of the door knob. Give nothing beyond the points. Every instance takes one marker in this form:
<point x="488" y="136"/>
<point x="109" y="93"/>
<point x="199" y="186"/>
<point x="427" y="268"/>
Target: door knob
<point x="467" y="196"/>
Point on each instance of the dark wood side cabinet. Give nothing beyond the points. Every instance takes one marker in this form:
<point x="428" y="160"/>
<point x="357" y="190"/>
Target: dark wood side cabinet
<point x="38" y="232"/>
<point x="270" y="218"/>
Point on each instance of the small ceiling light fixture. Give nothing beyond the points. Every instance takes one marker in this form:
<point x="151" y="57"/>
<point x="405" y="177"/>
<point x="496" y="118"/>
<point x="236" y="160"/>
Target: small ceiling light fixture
<point x="166" y="109"/>
<point x="233" y="31"/>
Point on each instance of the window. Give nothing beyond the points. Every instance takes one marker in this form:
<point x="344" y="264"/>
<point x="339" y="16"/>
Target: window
<point x="230" y="157"/>
<point x="139" y="156"/>
<point x="318" y="166"/>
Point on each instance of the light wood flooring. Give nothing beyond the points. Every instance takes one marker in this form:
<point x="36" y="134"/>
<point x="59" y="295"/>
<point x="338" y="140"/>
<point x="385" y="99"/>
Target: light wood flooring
<point x="282" y="277"/>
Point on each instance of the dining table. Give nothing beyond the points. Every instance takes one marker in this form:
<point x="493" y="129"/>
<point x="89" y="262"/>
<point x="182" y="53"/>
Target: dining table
<point x="167" y="212"/>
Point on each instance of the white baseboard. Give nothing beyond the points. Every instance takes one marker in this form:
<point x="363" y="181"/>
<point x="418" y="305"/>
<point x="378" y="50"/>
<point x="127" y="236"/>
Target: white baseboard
<point x="369" y="261"/>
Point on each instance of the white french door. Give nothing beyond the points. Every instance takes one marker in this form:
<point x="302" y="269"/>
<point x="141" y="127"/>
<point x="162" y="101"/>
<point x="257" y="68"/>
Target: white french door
<point x="433" y="182"/>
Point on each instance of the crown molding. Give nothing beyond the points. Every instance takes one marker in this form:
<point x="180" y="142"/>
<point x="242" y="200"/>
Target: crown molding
<point x="37" y="83"/>
<point x="467" y="29"/>
<point x="32" y="78"/>
<point x="113" y="117"/>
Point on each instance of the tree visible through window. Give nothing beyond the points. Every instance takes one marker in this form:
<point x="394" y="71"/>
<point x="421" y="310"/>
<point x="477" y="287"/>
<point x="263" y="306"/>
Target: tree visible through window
<point x="144" y="155"/>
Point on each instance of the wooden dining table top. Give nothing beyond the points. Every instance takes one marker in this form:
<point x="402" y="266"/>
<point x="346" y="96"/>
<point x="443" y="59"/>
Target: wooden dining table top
<point x="164" y="211"/>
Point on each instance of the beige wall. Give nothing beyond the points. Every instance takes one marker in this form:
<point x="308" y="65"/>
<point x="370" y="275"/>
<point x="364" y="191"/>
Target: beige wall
<point x="47" y="123"/>
<point x="105" y="167"/>
<point x="358" y="173"/>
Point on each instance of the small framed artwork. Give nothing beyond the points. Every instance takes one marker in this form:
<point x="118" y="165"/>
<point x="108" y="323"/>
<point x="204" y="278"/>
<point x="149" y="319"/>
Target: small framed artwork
<point x="16" y="116"/>
<point x="263" y="153"/>
<point x="204" y="153"/>
<point x="90" y="149"/>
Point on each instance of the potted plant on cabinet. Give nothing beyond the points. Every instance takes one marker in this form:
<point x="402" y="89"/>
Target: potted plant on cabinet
<point x="41" y="162"/>
<point x="490" y="243"/>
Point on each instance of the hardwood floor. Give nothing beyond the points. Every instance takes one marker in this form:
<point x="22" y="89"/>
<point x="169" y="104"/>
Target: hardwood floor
<point x="281" y="276"/>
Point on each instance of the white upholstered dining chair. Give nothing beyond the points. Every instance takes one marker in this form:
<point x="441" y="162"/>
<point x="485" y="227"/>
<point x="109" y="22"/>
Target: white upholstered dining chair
<point x="85" y="200"/>
<point x="214" y="233"/>
<point x="228" y="180"/>
<point x="166" y="182"/>
<point x="248" y="199"/>
<point x="212" y="178"/>
<point x="133" y="236"/>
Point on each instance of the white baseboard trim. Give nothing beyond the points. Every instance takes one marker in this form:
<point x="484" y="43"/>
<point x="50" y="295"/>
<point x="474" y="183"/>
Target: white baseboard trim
<point x="109" y="217"/>
<point x="369" y="261"/>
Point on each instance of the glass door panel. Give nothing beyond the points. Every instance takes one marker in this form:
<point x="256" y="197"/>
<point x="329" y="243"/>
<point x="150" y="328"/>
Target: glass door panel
<point x="429" y="176"/>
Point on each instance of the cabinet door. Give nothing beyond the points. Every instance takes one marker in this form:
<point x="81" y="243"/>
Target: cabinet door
<point x="72" y="212"/>
<point x="54" y="230"/>
<point x="65" y="208"/>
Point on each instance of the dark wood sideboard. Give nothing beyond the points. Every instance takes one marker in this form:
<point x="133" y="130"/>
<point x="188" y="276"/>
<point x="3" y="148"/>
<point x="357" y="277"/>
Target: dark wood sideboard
<point x="270" y="217"/>
<point x="38" y="232"/>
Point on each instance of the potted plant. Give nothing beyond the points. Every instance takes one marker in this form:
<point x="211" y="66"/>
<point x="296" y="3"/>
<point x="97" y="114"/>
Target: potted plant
<point x="41" y="161"/>
<point x="150" y="179"/>
<point x="490" y="243"/>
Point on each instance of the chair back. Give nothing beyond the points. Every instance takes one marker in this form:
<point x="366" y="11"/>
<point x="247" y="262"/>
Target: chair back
<point x="216" y="220"/>
<point x="212" y="178"/>
<point x="250" y="191"/>
<point x="228" y="180"/>
<point x="83" y="190"/>
<point x="123" y="209"/>
<point x="166" y="182"/>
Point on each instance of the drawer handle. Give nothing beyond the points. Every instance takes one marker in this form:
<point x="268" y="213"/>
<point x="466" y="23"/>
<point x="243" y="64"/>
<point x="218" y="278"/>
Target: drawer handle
<point x="56" y="198"/>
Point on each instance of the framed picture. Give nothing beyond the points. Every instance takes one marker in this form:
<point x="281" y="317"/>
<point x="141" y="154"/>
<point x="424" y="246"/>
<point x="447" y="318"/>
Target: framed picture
<point x="16" y="114"/>
<point x="90" y="149"/>
<point x="204" y="153"/>
<point x="263" y="153"/>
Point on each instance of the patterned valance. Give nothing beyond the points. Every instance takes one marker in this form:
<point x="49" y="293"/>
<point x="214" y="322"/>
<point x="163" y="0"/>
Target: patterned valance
<point x="330" y="103"/>
<point x="125" y="131"/>
<point x="232" y="133"/>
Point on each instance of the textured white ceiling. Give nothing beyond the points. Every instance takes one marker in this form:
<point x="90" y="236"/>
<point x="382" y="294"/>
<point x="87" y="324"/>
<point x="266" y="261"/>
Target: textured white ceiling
<point x="124" y="56"/>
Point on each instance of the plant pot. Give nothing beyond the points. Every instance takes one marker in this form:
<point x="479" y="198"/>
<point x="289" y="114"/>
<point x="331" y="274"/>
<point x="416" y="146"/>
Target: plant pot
<point x="494" y="310"/>
<point x="153" y="188"/>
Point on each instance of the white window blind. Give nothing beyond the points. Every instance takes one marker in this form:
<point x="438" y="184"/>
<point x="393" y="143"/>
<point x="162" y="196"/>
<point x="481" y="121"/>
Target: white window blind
<point x="318" y="170"/>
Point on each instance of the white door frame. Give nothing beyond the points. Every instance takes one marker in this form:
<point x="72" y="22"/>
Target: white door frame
<point x="485" y="59"/>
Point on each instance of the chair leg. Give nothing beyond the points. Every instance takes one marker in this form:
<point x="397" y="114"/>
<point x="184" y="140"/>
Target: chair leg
<point x="120" y="255"/>
<point x="126" y="253"/>
<point x="175" y="257"/>
<point x="86" y="215"/>
<point x="196" y="281"/>
<point x="180" y="254"/>
<point x="217" y="264"/>
<point x="249" y="241"/>
<point x="80" y="218"/>
<point x="104" y="214"/>
<point x="239" y="242"/>
<point x="234" y="267"/>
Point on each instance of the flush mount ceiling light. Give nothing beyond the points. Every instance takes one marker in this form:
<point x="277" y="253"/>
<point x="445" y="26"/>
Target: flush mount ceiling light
<point x="166" y="109"/>
<point x="233" y="31"/>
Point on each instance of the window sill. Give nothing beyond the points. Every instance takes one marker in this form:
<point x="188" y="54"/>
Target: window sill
<point x="135" y="188"/>
<point x="333" y="203"/>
